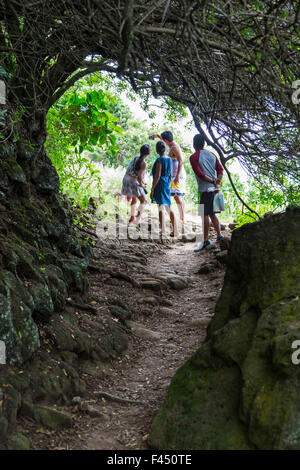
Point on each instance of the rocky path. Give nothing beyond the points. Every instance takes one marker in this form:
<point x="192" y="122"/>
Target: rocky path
<point x="157" y="293"/>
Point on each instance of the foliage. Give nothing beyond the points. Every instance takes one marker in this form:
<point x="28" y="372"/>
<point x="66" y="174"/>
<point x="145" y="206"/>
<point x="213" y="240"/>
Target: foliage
<point x="232" y="64"/>
<point x="258" y="194"/>
<point x="265" y="199"/>
<point x="136" y="131"/>
<point x="91" y="124"/>
<point x="81" y="120"/>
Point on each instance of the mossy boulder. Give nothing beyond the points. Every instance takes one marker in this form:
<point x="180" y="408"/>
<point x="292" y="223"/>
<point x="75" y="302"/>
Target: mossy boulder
<point x="73" y="275"/>
<point x="43" y="261"/>
<point x="3" y="428"/>
<point x="43" y="305"/>
<point x="52" y="418"/>
<point x="119" y="312"/>
<point x="46" y="177"/>
<point x="18" y="442"/>
<point x="201" y="399"/>
<point x="17" y="327"/>
<point x="241" y="389"/>
<point x="57" y="286"/>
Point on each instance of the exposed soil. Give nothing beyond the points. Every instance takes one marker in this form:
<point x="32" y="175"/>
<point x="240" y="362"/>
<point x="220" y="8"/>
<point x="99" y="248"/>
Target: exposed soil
<point x="167" y="326"/>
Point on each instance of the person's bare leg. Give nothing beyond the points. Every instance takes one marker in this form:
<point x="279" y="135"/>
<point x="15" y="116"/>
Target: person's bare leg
<point x="143" y="203"/>
<point x="180" y="203"/>
<point x="216" y="223"/>
<point x="161" y="215"/>
<point x="206" y="227"/>
<point x="132" y="209"/>
<point x="173" y="220"/>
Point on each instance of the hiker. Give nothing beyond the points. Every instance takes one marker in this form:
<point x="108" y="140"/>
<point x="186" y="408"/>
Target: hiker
<point x="209" y="172"/>
<point x="161" y="187"/>
<point x="133" y="185"/>
<point x="178" y="171"/>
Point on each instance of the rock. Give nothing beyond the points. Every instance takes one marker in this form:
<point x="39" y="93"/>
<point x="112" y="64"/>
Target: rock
<point x="240" y="390"/>
<point x="42" y="262"/>
<point x="188" y="238"/>
<point x="27" y="408"/>
<point x="142" y="332"/>
<point x="16" y="173"/>
<point x="201" y="322"/>
<point x="222" y="256"/>
<point x="268" y="214"/>
<point x="223" y="227"/>
<point x="46" y="178"/>
<point x="206" y="418"/>
<point x="136" y="260"/>
<point x="151" y="284"/>
<point x="124" y="304"/>
<point x="43" y="305"/>
<point x="119" y="312"/>
<point x="166" y="302"/>
<point x="13" y="404"/>
<point x="74" y="274"/>
<point x="208" y="268"/>
<point x="140" y="268"/>
<point x="232" y="226"/>
<point x="224" y="243"/>
<point x="212" y="247"/>
<point x="18" y="442"/>
<point x="69" y="356"/>
<point x="52" y="418"/>
<point x="112" y="281"/>
<point x="167" y="312"/>
<point x="176" y="282"/>
<point x="17" y="327"/>
<point x="68" y="337"/>
<point x="3" y="428"/>
<point x="57" y="287"/>
<point x="94" y="412"/>
<point x="149" y="300"/>
<point x="76" y="400"/>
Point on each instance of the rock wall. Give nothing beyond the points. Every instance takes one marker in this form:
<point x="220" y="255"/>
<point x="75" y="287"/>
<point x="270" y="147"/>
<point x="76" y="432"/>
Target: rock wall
<point x="42" y="262"/>
<point x="42" y="259"/>
<point x="240" y="390"/>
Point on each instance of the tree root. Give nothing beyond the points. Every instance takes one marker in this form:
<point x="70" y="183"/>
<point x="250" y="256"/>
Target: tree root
<point x="110" y="397"/>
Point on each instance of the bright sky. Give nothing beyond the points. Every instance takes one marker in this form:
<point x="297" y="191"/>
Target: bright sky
<point x="187" y="134"/>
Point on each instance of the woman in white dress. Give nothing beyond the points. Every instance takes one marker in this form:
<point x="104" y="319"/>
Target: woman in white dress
<point x="133" y="185"/>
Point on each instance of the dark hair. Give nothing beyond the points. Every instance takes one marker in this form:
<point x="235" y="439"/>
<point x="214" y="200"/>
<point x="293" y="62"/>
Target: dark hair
<point x="198" y="141"/>
<point x="167" y="135"/>
<point x="144" y="150"/>
<point x="160" y="148"/>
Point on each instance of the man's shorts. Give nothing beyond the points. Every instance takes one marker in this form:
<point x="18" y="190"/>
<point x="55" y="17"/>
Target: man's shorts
<point x="179" y="188"/>
<point x="207" y="199"/>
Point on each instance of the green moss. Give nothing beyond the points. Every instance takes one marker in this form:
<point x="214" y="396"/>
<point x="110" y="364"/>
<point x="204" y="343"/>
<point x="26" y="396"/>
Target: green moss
<point x="242" y="383"/>
<point x="199" y="411"/>
<point x="52" y="418"/>
<point x="18" y="442"/>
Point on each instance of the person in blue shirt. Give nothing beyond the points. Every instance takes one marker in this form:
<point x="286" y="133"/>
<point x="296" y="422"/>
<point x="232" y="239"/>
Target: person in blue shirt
<point x="161" y="187"/>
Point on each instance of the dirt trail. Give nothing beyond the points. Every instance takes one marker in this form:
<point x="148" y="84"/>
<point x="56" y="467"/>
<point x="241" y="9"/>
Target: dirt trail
<point x="167" y="326"/>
